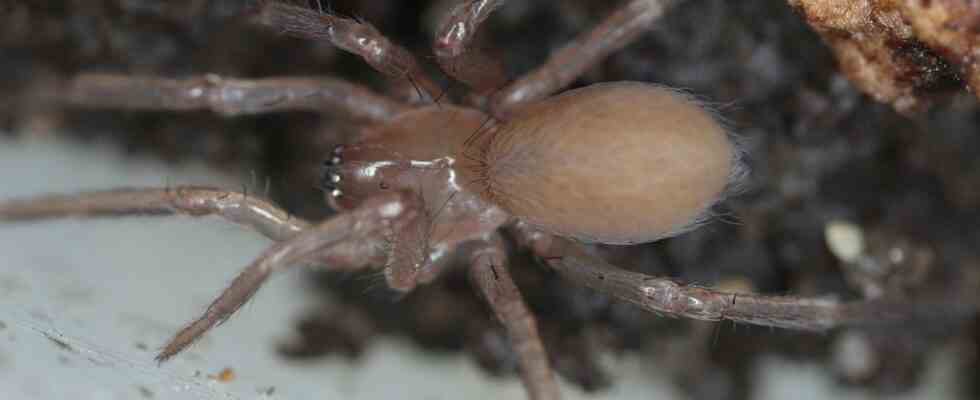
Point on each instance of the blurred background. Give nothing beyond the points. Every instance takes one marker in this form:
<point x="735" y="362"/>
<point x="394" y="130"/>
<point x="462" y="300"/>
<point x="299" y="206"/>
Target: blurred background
<point x="85" y="303"/>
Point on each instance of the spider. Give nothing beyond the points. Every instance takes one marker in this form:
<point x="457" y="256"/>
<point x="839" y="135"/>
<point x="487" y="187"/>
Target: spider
<point x="428" y="185"/>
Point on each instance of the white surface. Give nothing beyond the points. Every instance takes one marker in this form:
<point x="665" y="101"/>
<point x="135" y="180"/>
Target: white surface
<point x="114" y="290"/>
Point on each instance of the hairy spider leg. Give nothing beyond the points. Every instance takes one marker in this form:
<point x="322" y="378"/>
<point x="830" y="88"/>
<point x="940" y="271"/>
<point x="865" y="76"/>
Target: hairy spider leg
<point x="297" y="241"/>
<point x="489" y="273"/>
<point x="231" y="97"/>
<point x="664" y="296"/>
<point x="616" y="31"/>
<point x="355" y="37"/>
<point x="463" y="58"/>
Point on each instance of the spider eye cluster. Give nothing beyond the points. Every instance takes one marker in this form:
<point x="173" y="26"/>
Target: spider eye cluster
<point x="330" y="177"/>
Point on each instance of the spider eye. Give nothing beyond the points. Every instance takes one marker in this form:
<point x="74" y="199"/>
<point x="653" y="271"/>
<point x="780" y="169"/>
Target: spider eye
<point x="330" y="177"/>
<point x="336" y="157"/>
<point x="333" y="161"/>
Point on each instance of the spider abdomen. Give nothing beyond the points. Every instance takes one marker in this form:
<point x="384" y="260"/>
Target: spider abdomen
<point x="614" y="163"/>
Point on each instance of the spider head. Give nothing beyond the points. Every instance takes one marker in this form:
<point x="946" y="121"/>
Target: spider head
<point x="415" y="151"/>
<point x="357" y="171"/>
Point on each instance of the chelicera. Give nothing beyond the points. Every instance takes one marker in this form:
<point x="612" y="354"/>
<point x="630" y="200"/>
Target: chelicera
<point x="428" y="185"/>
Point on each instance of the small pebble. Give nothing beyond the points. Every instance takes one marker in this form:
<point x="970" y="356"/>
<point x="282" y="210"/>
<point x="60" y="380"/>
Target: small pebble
<point x="845" y="240"/>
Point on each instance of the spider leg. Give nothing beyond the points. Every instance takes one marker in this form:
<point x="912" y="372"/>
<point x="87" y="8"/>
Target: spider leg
<point x="422" y="251"/>
<point x="355" y="37"/>
<point x="251" y="211"/>
<point x="376" y="217"/>
<point x="349" y="237"/>
<point x="489" y="273"/>
<point x="454" y="50"/>
<point x="231" y="97"/>
<point x="667" y="297"/>
<point x="568" y="63"/>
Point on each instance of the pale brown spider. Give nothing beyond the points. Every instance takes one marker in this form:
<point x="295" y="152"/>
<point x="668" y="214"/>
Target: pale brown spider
<point x="428" y="184"/>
